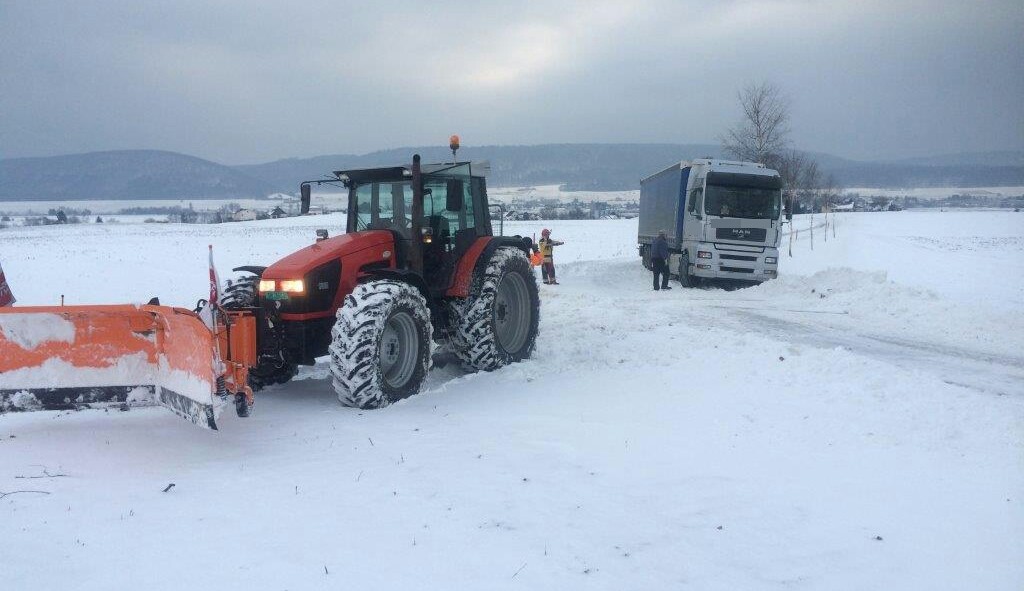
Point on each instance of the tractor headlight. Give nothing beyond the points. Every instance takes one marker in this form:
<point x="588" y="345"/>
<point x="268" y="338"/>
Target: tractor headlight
<point x="771" y="260"/>
<point x="292" y="286"/>
<point x="267" y="285"/>
<point x="703" y="254"/>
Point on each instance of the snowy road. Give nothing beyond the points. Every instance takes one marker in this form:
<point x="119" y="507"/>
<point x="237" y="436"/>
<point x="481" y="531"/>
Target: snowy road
<point x="858" y="423"/>
<point x="991" y="373"/>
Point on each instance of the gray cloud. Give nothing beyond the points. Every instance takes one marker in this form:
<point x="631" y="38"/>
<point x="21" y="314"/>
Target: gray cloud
<point x="251" y="81"/>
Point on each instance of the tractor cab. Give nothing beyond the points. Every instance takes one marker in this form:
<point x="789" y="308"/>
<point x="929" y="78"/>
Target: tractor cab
<point x="431" y="236"/>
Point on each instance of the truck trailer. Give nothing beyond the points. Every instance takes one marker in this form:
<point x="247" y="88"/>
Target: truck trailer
<point x="721" y="218"/>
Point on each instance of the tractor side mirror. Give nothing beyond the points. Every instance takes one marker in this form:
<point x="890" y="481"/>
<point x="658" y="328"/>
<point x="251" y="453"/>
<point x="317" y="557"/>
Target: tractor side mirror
<point x="305" y="191"/>
<point x="453" y="201"/>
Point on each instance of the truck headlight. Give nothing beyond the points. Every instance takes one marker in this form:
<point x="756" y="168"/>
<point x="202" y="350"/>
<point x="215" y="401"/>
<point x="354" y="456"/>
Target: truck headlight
<point x="703" y="254"/>
<point x="771" y="260"/>
<point x="267" y="285"/>
<point x="769" y="271"/>
<point x="293" y="286"/>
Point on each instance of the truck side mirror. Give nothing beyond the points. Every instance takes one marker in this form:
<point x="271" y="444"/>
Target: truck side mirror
<point x="453" y="200"/>
<point x="305" y="191"/>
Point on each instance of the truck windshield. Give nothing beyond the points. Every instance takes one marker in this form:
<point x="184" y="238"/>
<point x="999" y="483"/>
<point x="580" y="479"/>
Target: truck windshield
<point x="742" y="202"/>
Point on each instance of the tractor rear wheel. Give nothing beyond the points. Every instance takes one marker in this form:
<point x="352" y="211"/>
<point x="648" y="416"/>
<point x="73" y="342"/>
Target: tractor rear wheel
<point x="381" y="344"/>
<point x="497" y="324"/>
<point x="241" y="292"/>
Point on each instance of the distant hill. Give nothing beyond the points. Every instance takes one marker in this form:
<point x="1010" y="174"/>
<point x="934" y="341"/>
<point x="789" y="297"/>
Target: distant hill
<point x="153" y="174"/>
<point x="124" y="174"/>
<point x="996" y="158"/>
<point x="578" y="166"/>
<point x="620" y="166"/>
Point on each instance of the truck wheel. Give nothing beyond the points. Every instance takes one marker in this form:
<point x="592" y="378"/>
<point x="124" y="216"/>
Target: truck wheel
<point x="497" y="324"/>
<point x="381" y="344"/>
<point x="242" y="292"/>
<point x="685" y="278"/>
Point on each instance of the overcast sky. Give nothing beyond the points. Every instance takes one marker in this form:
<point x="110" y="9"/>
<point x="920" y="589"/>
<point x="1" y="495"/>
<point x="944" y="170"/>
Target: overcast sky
<point x="247" y="81"/>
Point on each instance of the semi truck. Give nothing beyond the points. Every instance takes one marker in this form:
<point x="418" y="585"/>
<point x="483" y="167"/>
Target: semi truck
<point x="721" y="218"/>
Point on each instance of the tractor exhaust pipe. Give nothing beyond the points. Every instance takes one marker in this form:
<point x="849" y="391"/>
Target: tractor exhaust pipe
<point x="304" y="192"/>
<point x="416" y="244"/>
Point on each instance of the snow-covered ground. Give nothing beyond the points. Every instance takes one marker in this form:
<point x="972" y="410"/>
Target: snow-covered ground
<point x="857" y="423"/>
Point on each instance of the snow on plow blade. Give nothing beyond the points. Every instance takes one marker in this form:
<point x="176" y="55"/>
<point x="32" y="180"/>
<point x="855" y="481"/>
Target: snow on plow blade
<point x="55" y="358"/>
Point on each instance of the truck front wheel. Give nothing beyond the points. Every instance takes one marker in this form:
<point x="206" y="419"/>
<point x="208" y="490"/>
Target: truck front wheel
<point x="685" y="278"/>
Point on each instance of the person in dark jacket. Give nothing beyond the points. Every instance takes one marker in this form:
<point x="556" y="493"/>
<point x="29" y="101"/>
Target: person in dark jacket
<point x="659" y="260"/>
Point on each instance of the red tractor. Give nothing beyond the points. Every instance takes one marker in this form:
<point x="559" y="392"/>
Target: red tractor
<point x="418" y="265"/>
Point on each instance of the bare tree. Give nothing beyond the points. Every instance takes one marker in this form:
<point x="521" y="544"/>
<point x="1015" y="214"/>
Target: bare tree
<point x="763" y="133"/>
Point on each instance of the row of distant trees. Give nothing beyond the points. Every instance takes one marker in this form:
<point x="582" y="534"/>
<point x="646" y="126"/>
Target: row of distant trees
<point x="762" y="135"/>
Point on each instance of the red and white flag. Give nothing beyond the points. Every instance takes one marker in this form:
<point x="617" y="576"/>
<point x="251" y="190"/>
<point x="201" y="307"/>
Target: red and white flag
<point x="208" y="313"/>
<point x="214" y="282"/>
<point x="6" y="297"/>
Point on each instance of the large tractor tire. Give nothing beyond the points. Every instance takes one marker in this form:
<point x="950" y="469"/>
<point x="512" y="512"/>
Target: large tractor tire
<point x="381" y="344"/>
<point x="497" y="324"/>
<point x="242" y="291"/>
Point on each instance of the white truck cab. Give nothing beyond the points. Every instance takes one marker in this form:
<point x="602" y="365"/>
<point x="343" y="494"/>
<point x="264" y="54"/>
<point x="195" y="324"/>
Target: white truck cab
<point x="721" y="218"/>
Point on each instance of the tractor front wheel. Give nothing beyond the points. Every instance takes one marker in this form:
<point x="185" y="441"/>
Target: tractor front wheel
<point x="381" y="344"/>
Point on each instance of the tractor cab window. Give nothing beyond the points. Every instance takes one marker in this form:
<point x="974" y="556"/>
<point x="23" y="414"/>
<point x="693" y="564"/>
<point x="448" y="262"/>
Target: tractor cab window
<point x="384" y="206"/>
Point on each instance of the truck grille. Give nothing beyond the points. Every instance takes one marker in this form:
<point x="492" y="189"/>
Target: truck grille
<point x="736" y="269"/>
<point x="734" y="257"/>
<point x="748" y="234"/>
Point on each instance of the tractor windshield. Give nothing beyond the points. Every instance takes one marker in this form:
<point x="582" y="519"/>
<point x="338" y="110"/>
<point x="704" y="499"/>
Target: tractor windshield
<point x="386" y="204"/>
<point x="383" y="206"/>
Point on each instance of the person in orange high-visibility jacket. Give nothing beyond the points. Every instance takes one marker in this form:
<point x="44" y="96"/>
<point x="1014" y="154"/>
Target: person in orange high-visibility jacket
<point x="547" y="251"/>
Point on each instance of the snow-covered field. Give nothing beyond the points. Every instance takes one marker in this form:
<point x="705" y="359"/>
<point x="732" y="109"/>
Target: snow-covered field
<point x="937" y="192"/>
<point x="856" y="424"/>
<point x="101" y="207"/>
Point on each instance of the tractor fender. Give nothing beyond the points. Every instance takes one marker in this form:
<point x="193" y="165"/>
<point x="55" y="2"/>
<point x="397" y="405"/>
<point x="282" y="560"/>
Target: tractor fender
<point x="412" y="278"/>
<point x="477" y="256"/>
<point x="254" y="269"/>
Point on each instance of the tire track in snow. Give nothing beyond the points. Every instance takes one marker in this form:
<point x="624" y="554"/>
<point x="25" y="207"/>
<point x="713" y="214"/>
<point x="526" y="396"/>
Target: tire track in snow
<point x="980" y="371"/>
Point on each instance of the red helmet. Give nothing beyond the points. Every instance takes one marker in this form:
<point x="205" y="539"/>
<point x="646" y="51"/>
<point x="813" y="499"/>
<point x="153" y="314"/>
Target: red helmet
<point x="545" y="232"/>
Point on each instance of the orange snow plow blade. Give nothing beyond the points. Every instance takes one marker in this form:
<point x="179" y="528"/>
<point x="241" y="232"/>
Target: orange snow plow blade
<point x="54" y="358"/>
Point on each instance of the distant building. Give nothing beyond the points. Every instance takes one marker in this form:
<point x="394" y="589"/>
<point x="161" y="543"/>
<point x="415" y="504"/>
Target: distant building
<point x="278" y="213"/>
<point x="243" y="215"/>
